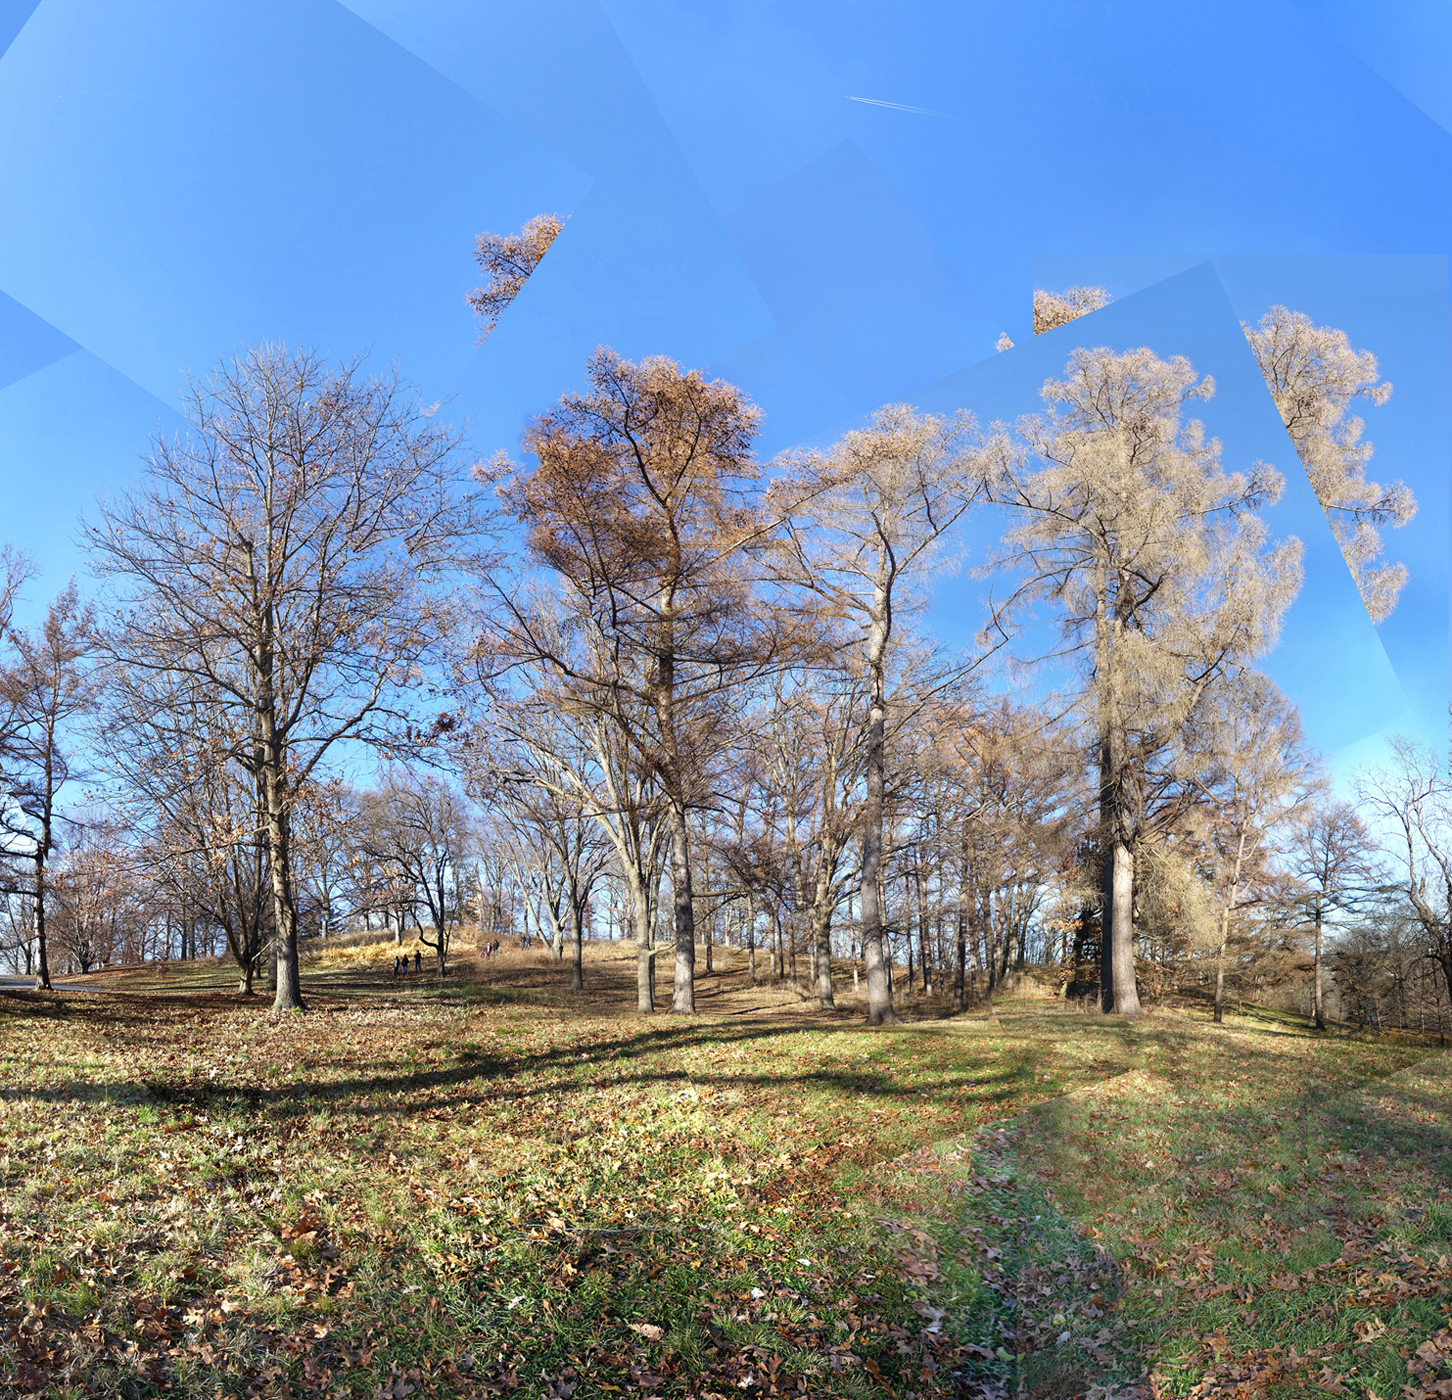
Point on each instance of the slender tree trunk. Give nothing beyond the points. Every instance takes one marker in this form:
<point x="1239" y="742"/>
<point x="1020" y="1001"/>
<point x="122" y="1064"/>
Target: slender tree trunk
<point x="1316" y="994"/>
<point x="683" y="996"/>
<point x="1220" y="966"/>
<point x="751" y="938"/>
<point x="924" y="948"/>
<point x="639" y="888"/>
<point x="960" y="985"/>
<point x="822" y="909"/>
<point x="279" y="853"/>
<point x="879" y="988"/>
<point x="577" y="946"/>
<point x="42" y="976"/>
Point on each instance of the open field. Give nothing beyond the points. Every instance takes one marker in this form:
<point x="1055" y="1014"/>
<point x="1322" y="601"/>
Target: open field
<point x="489" y="1186"/>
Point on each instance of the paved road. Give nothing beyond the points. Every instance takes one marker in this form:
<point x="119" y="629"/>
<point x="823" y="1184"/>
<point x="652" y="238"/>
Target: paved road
<point x="28" y="984"/>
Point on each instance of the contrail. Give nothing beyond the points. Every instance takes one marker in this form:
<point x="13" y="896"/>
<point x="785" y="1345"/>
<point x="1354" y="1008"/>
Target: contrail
<point x="898" y="106"/>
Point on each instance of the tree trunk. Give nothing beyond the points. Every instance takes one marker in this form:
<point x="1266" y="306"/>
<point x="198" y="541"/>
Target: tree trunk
<point x="1220" y="967"/>
<point x="751" y="938"/>
<point x="1126" y="994"/>
<point x="42" y="976"/>
<point x="879" y="992"/>
<point x="279" y="854"/>
<point x="644" y="963"/>
<point x="683" y="996"/>
<point x="1317" y="998"/>
<point x="924" y="944"/>
<point x="960" y="985"/>
<point x="577" y="947"/>
<point x="823" y="930"/>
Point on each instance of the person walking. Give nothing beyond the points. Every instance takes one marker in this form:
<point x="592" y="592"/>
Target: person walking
<point x="418" y="962"/>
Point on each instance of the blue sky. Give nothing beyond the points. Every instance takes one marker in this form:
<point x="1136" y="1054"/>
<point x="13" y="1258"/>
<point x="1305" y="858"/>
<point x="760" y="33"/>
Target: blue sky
<point x="834" y="206"/>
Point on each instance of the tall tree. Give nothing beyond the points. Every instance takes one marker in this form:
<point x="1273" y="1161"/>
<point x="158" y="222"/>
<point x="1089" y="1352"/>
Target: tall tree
<point x="1336" y="859"/>
<point x="277" y="559"/>
<point x="1257" y="775"/>
<point x="426" y="833"/>
<point x="196" y="821"/>
<point x="1122" y="517"/>
<point x="641" y="504"/>
<point x="49" y="681"/>
<point x="1412" y="795"/>
<point x="1314" y="376"/>
<point x="862" y="525"/>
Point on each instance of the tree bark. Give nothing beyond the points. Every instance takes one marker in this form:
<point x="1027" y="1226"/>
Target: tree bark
<point x="823" y="931"/>
<point x="577" y="947"/>
<point x="1317" y="997"/>
<point x="1126" y="994"/>
<point x="42" y="977"/>
<point x="1220" y="967"/>
<point x="644" y="961"/>
<point x="751" y="938"/>
<point x="683" y="995"/>
<point x="879" y="989"/>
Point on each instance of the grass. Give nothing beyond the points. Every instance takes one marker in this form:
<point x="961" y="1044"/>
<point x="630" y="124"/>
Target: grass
<point x="488" y="1184"/>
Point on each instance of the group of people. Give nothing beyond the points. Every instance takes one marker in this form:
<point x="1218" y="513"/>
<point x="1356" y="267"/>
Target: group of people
<point x="490" y="949"/>
<point x="400" y="964"/>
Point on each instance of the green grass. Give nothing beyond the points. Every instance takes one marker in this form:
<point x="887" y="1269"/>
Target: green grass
<point x="491" y="1185"/>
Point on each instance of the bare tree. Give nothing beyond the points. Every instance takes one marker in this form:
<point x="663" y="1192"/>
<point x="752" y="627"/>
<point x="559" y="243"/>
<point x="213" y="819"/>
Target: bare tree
<point x="324" y="813"/>
<point x="1314" y="375"/>
<point x="1257" y="775"/>
<point x="101" y="894"/>
<point x="507" y="261"/>
<point x="863" y="523"/>
<point x="1122" y="517"/>
<point x="49" y="681"/>
<point x="816" y="758"/>
<point x="1412" y="795"/>
<point x="641" y="505"/>
<point x="427" y="835"/>
<point x="196" y="823"/>
<point x="277" y="561"/>
<point x="1336" y="859"/>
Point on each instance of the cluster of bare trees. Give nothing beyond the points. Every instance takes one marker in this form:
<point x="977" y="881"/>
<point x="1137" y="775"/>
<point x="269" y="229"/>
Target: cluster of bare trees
<point x="684" y="697"/>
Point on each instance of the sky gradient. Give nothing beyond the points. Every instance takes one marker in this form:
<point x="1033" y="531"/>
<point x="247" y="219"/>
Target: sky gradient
<point x="833" y="206"/>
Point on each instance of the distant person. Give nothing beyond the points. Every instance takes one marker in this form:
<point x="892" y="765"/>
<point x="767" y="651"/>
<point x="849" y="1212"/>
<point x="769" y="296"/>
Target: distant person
<point x="418" y="962"/>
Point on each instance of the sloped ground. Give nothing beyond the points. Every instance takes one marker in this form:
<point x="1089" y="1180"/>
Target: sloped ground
<point x="490" y="1184"/>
